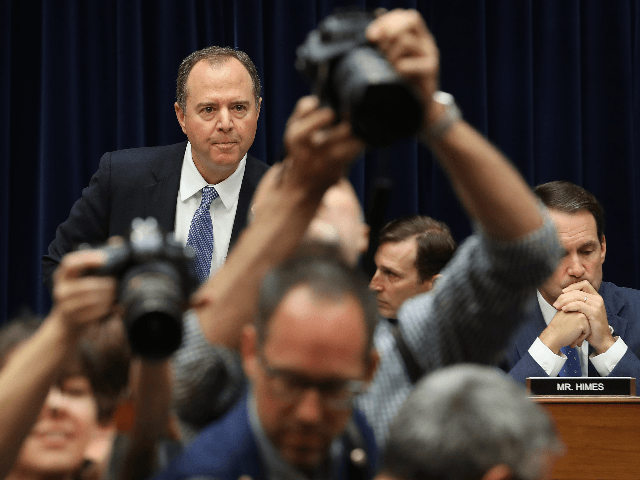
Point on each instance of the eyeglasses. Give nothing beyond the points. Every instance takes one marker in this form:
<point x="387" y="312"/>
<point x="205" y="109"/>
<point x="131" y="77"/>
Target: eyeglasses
<point x="335" y="394"/>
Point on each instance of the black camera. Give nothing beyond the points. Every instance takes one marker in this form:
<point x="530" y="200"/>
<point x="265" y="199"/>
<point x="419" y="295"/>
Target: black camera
<point x="356" y="80"/>
<point x="154" y="285"/>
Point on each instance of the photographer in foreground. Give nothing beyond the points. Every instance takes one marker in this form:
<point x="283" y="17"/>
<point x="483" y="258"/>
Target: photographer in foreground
<point x="49" y="400"/>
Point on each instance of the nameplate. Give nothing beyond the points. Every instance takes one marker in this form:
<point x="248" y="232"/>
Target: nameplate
<point x="582" y="386"/>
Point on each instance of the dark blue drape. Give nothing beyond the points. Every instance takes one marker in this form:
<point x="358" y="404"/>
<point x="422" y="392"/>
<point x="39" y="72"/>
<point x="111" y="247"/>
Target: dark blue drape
<point x="554" y="84"/>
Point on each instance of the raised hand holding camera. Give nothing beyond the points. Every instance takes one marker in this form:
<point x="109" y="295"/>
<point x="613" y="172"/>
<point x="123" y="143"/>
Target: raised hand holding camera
<point x="355" y="79"/>
<point x="154" y="285"/>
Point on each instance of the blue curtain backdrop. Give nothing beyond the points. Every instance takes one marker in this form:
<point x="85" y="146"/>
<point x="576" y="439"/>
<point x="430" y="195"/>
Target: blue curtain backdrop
<point x="553" y="83"/>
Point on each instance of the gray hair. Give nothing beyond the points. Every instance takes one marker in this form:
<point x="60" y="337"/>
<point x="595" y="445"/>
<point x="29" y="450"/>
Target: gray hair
<point x="461" y="421"/>
<point x="215" y="56"/>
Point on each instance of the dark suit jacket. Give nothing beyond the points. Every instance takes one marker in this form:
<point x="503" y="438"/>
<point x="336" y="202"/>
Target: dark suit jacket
<point x="623" y="313"/>
<point x="139" y="182"/>
<point x="227" y="449"/>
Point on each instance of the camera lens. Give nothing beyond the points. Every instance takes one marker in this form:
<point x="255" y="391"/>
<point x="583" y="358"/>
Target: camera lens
<point x="381" y="107"/>
<point x="152" y="298"/>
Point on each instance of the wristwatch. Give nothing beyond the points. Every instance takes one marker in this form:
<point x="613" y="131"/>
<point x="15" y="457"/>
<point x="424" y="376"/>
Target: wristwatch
<point x="451" y="115"/>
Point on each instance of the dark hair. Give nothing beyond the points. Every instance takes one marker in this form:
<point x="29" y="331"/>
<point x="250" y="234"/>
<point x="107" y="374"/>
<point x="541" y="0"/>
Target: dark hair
<point x="567" y="197"/>
<point x="435" y="245"/>
<point x="101" y="356"/>
<point x="215" y="56"/>
<point x="15" y="332"/>
<point x="106" y="355"/>
<point x="320" y="267"/>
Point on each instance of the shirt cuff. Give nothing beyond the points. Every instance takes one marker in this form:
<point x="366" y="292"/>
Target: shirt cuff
<point x="607" y="361"/>
<point x="548" y="361"/>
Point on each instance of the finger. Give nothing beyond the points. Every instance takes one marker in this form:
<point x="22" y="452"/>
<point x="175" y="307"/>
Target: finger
<point x="584" y="285"/>
<point x="80" y="306"/>
<point x="303" y="127"/>
<point x="304" y="106"/>
<point x="346" y="151"/>
<point x="75" y="263"/>
<point x="330" y="135"/>
<point x="577" y="306"/>
<point x="416" y="67"/>
<point x="81" y="287"/>
<point x="115" y="240"/>
<point x="394" y="23"/>
<point x="378" y="12"/>
<point x="570" y="297"/>
<point x="409" y="46"/>
<point x="585" y="333"/>
<point x="579" y="340"/>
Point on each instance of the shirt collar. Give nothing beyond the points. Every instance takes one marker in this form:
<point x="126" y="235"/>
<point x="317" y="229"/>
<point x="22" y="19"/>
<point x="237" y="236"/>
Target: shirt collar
<point x="548" y="312"/>
<point x="191" y="182"/>
<point x="277" y="467"/>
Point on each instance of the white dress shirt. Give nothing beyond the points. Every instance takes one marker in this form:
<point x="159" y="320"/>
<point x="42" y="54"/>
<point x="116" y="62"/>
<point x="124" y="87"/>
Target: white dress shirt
<point x="222" y="209"/>
<point x="552" y="363"/>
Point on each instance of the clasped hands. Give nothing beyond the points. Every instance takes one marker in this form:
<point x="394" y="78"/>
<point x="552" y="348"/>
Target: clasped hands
<point x="581" y="316"/>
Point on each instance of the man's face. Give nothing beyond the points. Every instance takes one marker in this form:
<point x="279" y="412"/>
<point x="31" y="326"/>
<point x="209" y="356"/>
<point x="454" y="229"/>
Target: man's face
<point x="66" y="424"/>
<point x="221" y="117"/>
<point x="396" y="278"/>
<point x="309" y="341"/>
<point x="584" y="253"/>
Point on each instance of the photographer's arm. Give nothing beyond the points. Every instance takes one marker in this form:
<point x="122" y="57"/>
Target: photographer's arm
<point x="491" y="190"/>
<point x="287" y="198"/>
<point x="150" y="382"/>
<point x="31" y="370"/>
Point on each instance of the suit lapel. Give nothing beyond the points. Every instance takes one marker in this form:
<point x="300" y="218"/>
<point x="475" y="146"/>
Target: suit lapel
<point x="613" y="304"/>
<point x="531" y="329"/>
<point x="253" y="172"/>
<point x="161" y="195"/>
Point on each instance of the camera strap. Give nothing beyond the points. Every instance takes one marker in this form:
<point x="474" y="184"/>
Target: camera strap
<point x="358" y="462"/>
<point x="414" y="370"/>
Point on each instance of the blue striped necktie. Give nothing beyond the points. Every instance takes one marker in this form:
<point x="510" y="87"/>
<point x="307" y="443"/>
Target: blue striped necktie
<point x="571" y="367"/>
<point x="201" y="235"/>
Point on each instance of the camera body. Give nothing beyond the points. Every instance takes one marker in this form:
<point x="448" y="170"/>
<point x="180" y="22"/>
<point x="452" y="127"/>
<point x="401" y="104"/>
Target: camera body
<point x="154" y="285"/>
<point x="357" y="81"/>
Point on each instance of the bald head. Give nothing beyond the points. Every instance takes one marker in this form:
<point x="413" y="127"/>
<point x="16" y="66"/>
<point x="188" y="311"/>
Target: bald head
<point x="339" y="218"/>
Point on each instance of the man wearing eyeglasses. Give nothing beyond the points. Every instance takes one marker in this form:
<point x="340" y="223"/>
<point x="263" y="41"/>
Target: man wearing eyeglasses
<point x="308" y="354"/>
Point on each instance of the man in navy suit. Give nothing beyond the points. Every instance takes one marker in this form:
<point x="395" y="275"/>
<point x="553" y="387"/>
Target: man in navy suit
<point x="575" y="307"/>
<point x="217" y="105"/>
<point x="308" y="354"/>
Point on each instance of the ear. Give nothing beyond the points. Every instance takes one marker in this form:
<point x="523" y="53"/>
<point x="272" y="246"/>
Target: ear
<point x="603" y="247"/>
<point x="372" y="368"/>
<point x="180" y="116"/>
<point x="258" y="108"/>
<point x="249" y="350"/>
<point x="498" y="472"/>
<point x="428" y="284"/>
<point x="364" y="239"/>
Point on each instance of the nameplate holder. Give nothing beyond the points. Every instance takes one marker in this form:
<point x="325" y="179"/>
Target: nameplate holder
<point x="581" y="386"/>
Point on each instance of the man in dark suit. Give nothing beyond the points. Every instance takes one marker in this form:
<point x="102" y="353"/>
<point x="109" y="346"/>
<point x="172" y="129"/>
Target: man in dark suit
<point x="575" y="309"/>
<point x="307" y="355"/>
<point x="217" y="105"/>
<point x="411" y="253"/>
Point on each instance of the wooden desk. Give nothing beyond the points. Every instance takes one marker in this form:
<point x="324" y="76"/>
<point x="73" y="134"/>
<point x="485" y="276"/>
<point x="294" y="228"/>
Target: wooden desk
<point x="602" y="435"/>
